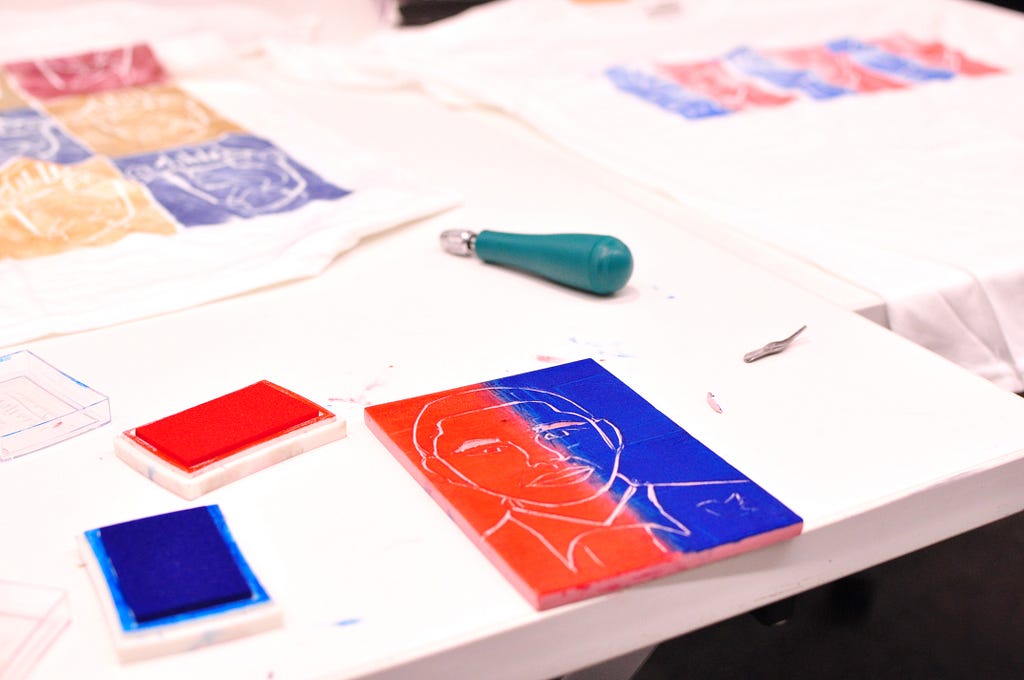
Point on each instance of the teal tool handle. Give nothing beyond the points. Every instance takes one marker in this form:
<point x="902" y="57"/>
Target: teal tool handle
<point x="591" y="262"/>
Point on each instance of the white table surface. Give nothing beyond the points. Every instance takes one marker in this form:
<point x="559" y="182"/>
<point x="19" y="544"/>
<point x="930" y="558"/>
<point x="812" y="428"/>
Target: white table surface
<point x="881" y="446"/>
<point x="909" y="194"/>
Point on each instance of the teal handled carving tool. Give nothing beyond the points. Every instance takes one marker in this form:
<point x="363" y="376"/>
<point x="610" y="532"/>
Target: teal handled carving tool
<point x="591" y="262"/>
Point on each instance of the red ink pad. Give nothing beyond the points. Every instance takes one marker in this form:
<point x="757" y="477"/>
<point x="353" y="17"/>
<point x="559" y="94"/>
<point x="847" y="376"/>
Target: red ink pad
<point x="206" y="433"/>
<point x="227" y="438"/>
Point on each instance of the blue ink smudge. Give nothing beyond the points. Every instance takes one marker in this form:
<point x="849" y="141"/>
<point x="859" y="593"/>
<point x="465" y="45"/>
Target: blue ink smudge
<point x="348" y="622"/>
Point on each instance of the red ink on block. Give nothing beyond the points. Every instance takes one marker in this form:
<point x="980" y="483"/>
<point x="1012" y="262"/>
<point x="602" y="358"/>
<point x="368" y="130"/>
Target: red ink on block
<point x="209" y="432"/>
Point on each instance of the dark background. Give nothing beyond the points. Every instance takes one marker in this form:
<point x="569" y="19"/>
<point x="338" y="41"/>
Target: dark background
<point x="952" y="611"/>
<point x="1019" y="6"/>
<point x="417" y="12"/>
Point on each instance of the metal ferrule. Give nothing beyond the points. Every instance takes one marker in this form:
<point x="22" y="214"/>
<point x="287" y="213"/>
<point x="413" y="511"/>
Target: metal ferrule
<point x="458" y="241"/>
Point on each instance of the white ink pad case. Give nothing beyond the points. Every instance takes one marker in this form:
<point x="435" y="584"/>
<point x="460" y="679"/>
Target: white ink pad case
<point x="227" y="438"/>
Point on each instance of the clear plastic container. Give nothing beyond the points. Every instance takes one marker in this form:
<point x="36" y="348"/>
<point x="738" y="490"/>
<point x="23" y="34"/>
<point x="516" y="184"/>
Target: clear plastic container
<point x="41" y="405"/>
<point x="31" y="618"/>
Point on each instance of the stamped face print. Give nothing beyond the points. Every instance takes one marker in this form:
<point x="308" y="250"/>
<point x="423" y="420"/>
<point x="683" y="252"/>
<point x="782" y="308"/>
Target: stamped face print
<point x="139" y="119"/>
<point x="46" y="208"/>
<point x="88" y="72"/>
<point x="26" y="133"/>
<point x="235" y="176"/>
<point x="9" y="99"/>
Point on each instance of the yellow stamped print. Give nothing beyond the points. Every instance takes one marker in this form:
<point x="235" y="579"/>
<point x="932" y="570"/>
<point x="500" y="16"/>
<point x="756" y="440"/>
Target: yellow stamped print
<point x="47" y="208"/>
<point x="139" y="119"/>
<point x="8" y="98"/>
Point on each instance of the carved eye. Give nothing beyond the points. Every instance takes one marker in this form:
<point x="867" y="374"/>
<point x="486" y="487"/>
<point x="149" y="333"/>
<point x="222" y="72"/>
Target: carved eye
<point x="488" y="450"/>
<point x="559" y="433"/>
<point x="482" y="447"/>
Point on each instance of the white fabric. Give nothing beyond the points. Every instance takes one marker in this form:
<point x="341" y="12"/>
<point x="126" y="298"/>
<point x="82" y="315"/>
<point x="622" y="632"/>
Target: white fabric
<point x="914" y="194"/>
<point x="57" y="27"/>
<point x="144" y="274"/>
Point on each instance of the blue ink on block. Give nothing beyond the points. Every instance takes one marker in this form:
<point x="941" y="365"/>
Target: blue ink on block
<point x="235" y="176"/>
<point x="877" y="59"/>
<point x="27" y="133"/>
<point x="788" y="78"/>
<point x="664" y="470"/>
<point x="173" y="567"/>
<point x="663" y="93"/>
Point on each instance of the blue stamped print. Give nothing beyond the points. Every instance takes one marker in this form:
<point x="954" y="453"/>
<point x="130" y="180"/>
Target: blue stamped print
<point x="664" y="93"/>
<point x="806" y="81"/>
<point x="27" y="133"/>
<point x="877" y="59"/>
<point x="746" y="78"/>
<point x="236" y="176"/>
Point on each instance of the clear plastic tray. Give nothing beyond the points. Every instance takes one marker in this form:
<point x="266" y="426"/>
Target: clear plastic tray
<point x="40" y="405"/>
<point x="31" y="618"/>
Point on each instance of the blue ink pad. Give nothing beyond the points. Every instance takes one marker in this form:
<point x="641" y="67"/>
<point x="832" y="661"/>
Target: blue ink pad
<point x="175" y="581"/>
<point x="173" y="564"/>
